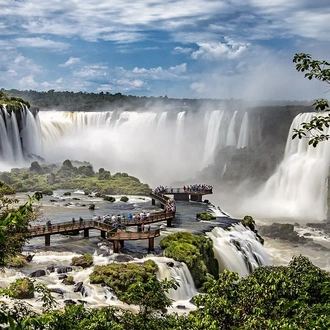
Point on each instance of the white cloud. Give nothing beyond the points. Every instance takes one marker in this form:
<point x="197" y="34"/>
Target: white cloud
<point x="215" y="51"/>
<point x="41" y="43"/>
<point x="158" y="73"/>
<point x="70" y="62"/>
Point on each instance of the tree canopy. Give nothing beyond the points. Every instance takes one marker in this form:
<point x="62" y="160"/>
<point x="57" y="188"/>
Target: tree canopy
<point x="315" y="130"/>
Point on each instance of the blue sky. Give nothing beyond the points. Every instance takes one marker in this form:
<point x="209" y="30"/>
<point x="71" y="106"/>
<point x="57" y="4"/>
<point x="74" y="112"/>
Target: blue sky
<point x="180" y="48"/>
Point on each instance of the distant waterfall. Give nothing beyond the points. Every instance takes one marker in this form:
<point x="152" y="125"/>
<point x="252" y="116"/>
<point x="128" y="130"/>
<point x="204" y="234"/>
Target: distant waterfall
<point x="231" y="135"/>
<point x="18" y="137"/>
<point x="238" y="249"/>
<point x="298" y="188"/>
<point x="213" y="120"/>
<point x="145" y="144"/>
<point x="243" y="138"/>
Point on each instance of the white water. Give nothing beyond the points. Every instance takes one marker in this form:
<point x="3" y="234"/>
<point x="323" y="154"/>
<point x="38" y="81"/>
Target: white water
<point x="298" y="188"/>
<point x="251" y="255"/>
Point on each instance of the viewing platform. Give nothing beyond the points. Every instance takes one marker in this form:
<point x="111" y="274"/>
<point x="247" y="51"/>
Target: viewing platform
<point x="179" y="194"/>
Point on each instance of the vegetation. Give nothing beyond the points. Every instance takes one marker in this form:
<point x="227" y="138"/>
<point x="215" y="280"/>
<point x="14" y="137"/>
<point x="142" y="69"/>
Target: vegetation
<point x="119" y="276"/>
<point x="49" y="177"/>
<point x="14" y="226"/>
<point x="22" y="288"/>
<point x="205" y="216"/>
<point x="195" y="251"/>
<point x="83" y="261"/>
<point x="315" y="129"/>
<point x="295" y="297"/>
<point x="12" y="103"/>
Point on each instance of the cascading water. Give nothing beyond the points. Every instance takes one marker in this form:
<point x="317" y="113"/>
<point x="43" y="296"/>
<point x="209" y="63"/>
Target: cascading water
<point x="146" y="144"/>
<point x="213" y="120"/>
<point x="243" y="138"/>
<point x="231" y="136"/>
<point x="168" y="269"/>
<point x="238" y="250"/>
<point x="298" y="188"/>
<point x="18" y="137"/>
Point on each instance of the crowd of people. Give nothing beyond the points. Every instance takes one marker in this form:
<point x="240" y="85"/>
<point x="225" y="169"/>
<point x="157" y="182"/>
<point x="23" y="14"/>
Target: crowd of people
<point x="201" y="187"/>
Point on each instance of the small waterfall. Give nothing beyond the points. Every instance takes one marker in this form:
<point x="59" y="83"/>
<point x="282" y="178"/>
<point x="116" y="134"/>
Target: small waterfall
<point x="231" y="135"/>
<point x="213" y="120"/>
<point x="243" y="138"/>
<point x="238" y="250"/>
<point x="170" y="269"/>
<point x="298" y="188"/>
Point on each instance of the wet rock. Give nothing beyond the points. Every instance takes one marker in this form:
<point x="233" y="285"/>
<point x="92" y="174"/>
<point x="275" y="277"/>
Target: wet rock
<point x="79" y="287"/>
<point x="57" y="290"/>
<point x="170" y="264"/>
<point x="123" y="258"/>
<point x="51" y="268"/>
<point x="70" y="302"/>
<point x="38" y="273"/>
<point x="63" y="269"/>
<point x="181" y="307"/>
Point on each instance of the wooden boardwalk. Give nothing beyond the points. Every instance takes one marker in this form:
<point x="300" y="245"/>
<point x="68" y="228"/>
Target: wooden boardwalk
<point x="117" y="235"/>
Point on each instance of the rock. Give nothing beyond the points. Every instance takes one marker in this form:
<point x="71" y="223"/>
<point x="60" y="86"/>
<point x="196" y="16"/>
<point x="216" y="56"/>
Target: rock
<point x="57" y="290"/>
<point x="70" y="302"/>
<point x="63" y="269"/>
<point x="181" y="307"/>
<point x="51" y="268"/>
<point x="38" y="273"/>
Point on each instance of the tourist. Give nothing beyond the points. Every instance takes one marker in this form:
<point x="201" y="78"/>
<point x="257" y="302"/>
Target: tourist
<point x="142" y="227"/>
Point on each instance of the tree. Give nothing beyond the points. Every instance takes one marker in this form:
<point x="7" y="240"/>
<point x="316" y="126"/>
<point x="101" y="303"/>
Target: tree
<point x="315" y="129"/>
<point x="292" y="297"/>
<point x="14" y="226"/>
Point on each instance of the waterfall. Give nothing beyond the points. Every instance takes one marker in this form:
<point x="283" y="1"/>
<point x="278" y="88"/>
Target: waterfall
<point x="231" y="135"/>
<point x="298" y="188"/>
<point x="243" y="138"/>
<point x="168" y="269"/>
<point x="238" y="250"/>
<point x="213" y="121"/>
<point x="18" y="139"/>
<point x="145" y="144"/>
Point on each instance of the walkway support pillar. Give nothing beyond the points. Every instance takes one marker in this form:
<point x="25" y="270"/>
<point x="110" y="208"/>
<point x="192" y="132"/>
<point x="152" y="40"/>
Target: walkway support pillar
<point x="121" y="243"/>
<point x="169" y="222"/>
<point x="153" y="202"/>
<point x="86" y="232"/>
<point x="47" y="240"/>
<point x="103" y="233"/>
<point x="151" y="246"/>
<point x="115" y="246"/>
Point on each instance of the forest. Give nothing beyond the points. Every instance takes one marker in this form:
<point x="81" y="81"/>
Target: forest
<point x="83" y="101"/>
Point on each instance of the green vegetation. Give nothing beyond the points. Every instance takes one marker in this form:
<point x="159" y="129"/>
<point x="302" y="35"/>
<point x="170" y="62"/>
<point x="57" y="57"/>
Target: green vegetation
<point x="205" y="216"/>
<point x="119" y="276"/>
<point x="294" y="297"/>
<point x="12" y="103"/>
<point x="320" y="70"/>
<point x="14" y="224"/>
<point x="47" y="178"/>
<point x="22" y="288"/>
<point x="195" y="251"/>
<point x="83" y="261"/>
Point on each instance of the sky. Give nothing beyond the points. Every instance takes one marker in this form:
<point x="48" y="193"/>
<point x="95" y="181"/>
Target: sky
<point x="221" y="49"/>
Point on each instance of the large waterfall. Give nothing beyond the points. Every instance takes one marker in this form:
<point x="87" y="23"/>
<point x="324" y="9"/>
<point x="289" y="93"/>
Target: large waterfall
<point x="145" y="144"/>
<point x="298" y="188"/>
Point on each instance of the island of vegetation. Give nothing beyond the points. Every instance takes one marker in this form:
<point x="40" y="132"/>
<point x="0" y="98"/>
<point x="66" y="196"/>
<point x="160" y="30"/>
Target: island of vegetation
<point x="70" y="175"/>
